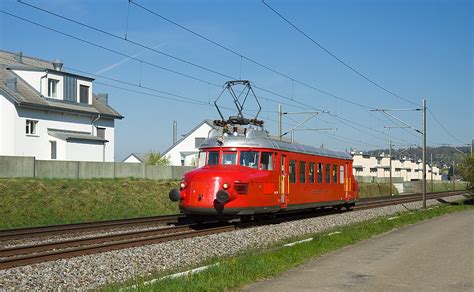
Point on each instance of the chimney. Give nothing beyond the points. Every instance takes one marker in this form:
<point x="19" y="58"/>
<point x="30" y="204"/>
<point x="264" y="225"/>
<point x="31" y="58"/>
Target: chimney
<point x="19" y="57"/>
<point x="175" y="132"/>
<point x="11" y="84"/>
<point x="103" y="98"/>
<point x="58" y="64"/>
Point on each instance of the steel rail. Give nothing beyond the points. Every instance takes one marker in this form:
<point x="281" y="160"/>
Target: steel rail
<point x="26" y="255"/>
<point x="28" y="259"/>
<point x="29" y="232"/>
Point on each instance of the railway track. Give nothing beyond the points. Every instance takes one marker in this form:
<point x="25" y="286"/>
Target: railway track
<point x="31" y="254"/>
<point x="21" y="233"/>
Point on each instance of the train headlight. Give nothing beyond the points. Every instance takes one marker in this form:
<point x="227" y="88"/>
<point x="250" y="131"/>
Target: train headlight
<point x="225" y="186"/>
<point x="182" y="185"/>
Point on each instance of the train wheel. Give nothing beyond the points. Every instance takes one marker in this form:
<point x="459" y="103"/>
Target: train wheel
<point x="349" y="207"/>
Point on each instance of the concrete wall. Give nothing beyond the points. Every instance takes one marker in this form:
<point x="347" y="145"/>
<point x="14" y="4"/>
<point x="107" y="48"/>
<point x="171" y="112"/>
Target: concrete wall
<point x="15" y="166"/>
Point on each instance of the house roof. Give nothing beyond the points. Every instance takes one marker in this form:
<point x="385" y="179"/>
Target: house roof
<point x="71" y="136"/>
<point x="209" y="122"/>
<point x="142" y="157"/>
<point x="27" y="96"/>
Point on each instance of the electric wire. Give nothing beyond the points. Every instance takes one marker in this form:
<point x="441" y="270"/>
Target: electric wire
<point x="242" y="56"/>
<point x="173" y="71"/>
<point x="336" y="57"/>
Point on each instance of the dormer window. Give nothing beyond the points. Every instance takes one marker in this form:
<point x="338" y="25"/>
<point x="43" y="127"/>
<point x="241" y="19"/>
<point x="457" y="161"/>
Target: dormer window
<point x="53" y="88"/>
<point x="84" y="94"/>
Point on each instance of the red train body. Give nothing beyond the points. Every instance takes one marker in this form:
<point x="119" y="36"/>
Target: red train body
<point x="249" y="173"/>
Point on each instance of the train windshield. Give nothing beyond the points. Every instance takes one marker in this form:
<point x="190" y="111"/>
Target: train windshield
<point x="229" y="158"/>
<point x="213" y="158"/>
<point x="249" y="158"/>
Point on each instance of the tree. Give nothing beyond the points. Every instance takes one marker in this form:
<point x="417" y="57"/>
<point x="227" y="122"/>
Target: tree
<point x="466" y="170"/>
<point x="156" y="158"/>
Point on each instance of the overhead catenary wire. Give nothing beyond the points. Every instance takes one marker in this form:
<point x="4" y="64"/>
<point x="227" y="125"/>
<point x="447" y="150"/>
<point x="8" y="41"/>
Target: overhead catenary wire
<point x="135" y="58"/>
<point x="176" y="72"/>
<point x="243" y="56"/>
<point x="336" y="57"/>
<point x="442" y="126"/>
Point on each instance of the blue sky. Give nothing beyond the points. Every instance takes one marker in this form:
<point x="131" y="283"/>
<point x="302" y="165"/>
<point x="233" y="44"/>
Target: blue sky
<point x="413" y="48"/>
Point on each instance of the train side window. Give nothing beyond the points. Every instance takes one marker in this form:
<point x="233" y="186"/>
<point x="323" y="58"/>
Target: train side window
<point x="249" y="158"/>
<point x="201" y="159"/>
<point x="311" y="172"/>
<point x="302" y="171"/>
<point x="328" y="173"/>
<point x="229" y="158"/>
<point x="266" y="162"/>
<point x="320" y="172"/>
<point x="213" y="158"/>
<point x="292" y="170"/>
<point x="341" y="174"/>
<point x="334" y="173"/>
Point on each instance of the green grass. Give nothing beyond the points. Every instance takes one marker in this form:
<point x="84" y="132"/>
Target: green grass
<point x="248" y="267"/>
<point x="367" y="190"/>
<point x="36" y="202"/>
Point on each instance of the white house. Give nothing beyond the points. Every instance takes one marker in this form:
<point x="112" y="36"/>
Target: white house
<point x="49" y="113"/>
<point x="137" y="158"/>
<point x="379" y="166"/>
<point x="184" y="151"/>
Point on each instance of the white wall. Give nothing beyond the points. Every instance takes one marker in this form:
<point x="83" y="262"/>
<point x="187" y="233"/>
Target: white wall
<point x="39" y="145"/>
<point x="7" y="116"/>
<point x="84" y="151"/>
<point x="371" y="162"/>
<point x="132" y="159"/>
<point x="187" y="145"/>
<point x="34" y="78"/>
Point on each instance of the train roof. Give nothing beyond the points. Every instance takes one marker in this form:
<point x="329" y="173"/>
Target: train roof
<point x="261" y="139"/>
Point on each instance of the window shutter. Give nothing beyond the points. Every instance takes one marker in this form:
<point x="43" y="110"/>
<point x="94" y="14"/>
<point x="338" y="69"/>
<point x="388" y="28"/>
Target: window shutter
<point x="70" y="88"/>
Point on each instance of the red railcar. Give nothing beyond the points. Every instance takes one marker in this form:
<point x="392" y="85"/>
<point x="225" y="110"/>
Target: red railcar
<point x="248" y="173"/>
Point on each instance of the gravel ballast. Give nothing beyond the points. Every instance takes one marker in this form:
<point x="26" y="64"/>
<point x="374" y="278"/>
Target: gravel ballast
<point x="92" y="271"/>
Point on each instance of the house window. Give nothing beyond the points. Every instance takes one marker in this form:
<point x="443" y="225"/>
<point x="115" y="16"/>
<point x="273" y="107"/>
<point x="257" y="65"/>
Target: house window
<point x="198" y="141"/>
<point x="292" y="171"/>
<point x="53" y="87"/>
<point x="83" y="94"/>
<point x="70" y="88"/>
<point x="101" y="132"/>
<point x="302" y="172"/>
<point x="53" y="149"/>
<point x="311" y="172"/>
<point x="373" y="170"/>
<point x="31" y="127"/>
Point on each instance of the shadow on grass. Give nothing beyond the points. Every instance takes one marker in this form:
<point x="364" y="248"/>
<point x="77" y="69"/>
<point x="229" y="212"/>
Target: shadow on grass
<point x="468" y="201"/>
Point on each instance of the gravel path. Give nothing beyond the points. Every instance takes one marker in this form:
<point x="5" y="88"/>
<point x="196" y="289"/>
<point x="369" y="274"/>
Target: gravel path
<point x="92" y="271"/>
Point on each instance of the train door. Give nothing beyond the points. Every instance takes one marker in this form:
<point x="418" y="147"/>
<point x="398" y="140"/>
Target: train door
<point x="347" y="182"/>
<point x="284" y="186"/>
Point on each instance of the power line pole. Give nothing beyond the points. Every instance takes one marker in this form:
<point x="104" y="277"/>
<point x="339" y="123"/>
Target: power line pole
<point x="424" y="153"/>
<point x="279" y="122"/>
<point x="454" y="187"/>
<point x="422" y="132"/>
<point x="431" y="167"/>
<point x="390" y="165"/>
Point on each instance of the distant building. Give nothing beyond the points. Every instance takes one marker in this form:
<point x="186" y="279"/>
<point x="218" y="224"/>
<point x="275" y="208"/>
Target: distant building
<point x="137" y="158"/>
<point x="365" y="165"/>
<point x="184" y="152"/>
<point x="49" y="113"/>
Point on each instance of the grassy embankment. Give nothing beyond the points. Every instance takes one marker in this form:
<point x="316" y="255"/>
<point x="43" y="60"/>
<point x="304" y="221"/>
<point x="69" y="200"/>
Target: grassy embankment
<point x="35" y="202"/>
<point x="255" y="265"/>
